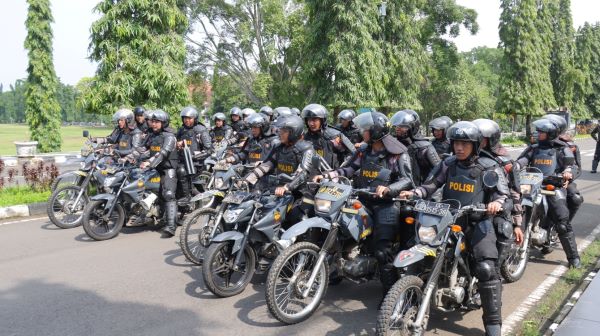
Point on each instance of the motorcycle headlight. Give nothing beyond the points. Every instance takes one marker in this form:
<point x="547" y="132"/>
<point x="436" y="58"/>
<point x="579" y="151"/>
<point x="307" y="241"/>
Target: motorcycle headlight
<point x="525" y="189"/>
<point x="108" y="182"/>
<point x="322" y="205"/>
<point x="427" y="234"/>
<point x="219" y="183"/>
<point x="230" y="216"/>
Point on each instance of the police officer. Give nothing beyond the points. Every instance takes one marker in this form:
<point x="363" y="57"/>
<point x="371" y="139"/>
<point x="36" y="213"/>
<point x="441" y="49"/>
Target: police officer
<point x="259" y="145"/>
<point x="508" y="223"/>
<point x="235" y="115"/>
<point x="574" y="197"/>
<point x="422" y="153"/>
<point x="553" y="158"/>
<point x="328" y="142"/>
<point x="382" y="165"/>
<point x="196" y="137"/>
<point x="296" y="111"/>
<point x="347" y="127"/>
<point x="161" y="154"/>
<point x="461" y="176"/>
<point x="221" y="132"/>
<point x="596" y="159"/>
<point x="125" y="136"/>
<point x="140" y="119"/>
<point x="292" y="156"/>
<point x="268" y="112"/>
<point x="440" y="142"/>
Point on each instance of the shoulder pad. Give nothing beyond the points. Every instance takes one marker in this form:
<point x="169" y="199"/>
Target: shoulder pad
<point x="422" y="143"/>
<point x="135" y="131"/>
<point x="450" y="160"/>
<point x="331" y="132"/>
<point x="486" y="162"/>
<point x="302" y="146"/>
<point x="199" y="128"/>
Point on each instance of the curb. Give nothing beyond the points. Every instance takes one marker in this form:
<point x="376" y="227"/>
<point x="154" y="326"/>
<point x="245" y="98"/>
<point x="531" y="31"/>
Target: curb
<point x="23" y="210"/>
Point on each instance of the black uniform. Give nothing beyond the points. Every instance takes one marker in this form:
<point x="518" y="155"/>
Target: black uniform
<point x="553" y="158"/>
<point x="574" y="197"/>
<point x="125" y="142"/>
<point x="371" y="169"/>
<point x="463" y="181"/>
<point x="294" y="160"/>
<point x="160" y="151"/>
<point x="594" y="135"/>
<point x="442" y="147"/>
<point x="198" y="140"/>
<point x="325" y="144"/>
<point x="219" y="134"/>
<point x="423" y="157"/>
<point x="351" y="132"/>
<point x="143" y="127"/>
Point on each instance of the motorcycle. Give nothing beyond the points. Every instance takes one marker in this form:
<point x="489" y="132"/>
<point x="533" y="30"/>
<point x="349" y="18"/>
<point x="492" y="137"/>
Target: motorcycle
<point x="67" y="201"/>
<point x="199" y="227"/>
<point x="437" y="271"/>
<point x="535" y="188"/>
<point x="335" y="238"/>
<point x="251" y="226"/>
<point x="134" y="192"/>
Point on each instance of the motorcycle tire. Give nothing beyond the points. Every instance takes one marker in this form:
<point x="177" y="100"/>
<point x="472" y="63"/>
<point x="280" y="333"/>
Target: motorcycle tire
<point x="61" y="203"/>
<point x="90" y="218"/>
<point x="191" y="229"/>
<point x="218" y="256"/>
<point x="388" y="309"/>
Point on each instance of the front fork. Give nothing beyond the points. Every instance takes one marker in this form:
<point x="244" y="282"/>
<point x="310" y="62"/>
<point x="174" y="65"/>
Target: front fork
<point x="114" y="201"/>
<point x="238" y="257"/>
<point x="84" y="186"/>
<point x="328" y="248"/>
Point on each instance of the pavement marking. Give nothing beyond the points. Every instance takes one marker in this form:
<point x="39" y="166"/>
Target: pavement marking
<point x="20" y="221"/>
<point x="509" y="324"/>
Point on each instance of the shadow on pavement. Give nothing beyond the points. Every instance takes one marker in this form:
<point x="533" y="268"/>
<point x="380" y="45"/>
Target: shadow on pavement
<point x="51" y="227"/>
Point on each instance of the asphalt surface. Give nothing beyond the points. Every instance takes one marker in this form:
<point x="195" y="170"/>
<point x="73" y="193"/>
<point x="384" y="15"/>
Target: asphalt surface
<point x="58" y="282"/>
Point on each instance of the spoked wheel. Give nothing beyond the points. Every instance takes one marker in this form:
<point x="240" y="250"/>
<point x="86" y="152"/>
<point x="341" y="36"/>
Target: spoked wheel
<point x="287" y="283"/>
<point x="514" y="265"/>
<point x="195" y="235"/>
<point x="400" y="307"/>
<point x="63" y="207"/>
<point x="97" y="225"/>
<point x="221" y="276"/>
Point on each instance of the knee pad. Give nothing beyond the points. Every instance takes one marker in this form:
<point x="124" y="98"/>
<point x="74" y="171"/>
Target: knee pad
<point x="504" y="228"/>
<point x="576" y="199"/>
<point x="168" y="195"/>
<point x="485" y="270"/>
<point x="561" y="228"/>
<point x="181" y="173"/>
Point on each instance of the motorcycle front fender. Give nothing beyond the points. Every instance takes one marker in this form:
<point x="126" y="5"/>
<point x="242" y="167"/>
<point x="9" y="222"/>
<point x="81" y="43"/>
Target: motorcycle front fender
<point x="103" y="197"/>
<point x="413" y="255"/>
<point x="236" y="236"/>
<point x="206" y="194"/>
<point x="303" y="226"/>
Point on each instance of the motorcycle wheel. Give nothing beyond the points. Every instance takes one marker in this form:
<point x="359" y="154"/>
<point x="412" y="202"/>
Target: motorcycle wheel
<point x="61" y="207"/>
<point x="98" y="228"/>
<point x="69" y="179"/>
<point x="400" y="307"/>
<point x="514" y="265"/>
<point x="218" y="272"/>
<point x="194" y="237"/>
<point x="287" y="280"/>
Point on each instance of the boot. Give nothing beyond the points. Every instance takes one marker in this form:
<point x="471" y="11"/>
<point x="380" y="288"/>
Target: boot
<point x="171" y="212"/>
<point x="491" y="302"/>
<point x="594" y="166"/>
<point x="567" y="240"/>
<point x="186" y="191"/>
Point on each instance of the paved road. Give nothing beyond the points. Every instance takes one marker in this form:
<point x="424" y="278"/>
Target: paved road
<point x="58" y="282"/>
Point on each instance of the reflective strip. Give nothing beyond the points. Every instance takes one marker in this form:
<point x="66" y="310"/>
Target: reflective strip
<point x="307" y="200"/>
<point x="351" y="211"/>
<point x="80" y="173"/>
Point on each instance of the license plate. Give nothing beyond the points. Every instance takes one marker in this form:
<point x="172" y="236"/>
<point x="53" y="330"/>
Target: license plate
<point x="333" y="191"/>
<point x="531" y="178"/>
<point x="432" y="208"/>
<point x="234" y="198"/>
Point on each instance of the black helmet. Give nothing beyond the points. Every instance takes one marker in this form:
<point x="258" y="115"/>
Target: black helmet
<point x="139" y="110"/>
<point x="258" y="120"/>
<point x="247" y="112"/>
<point x="376" y="123"/>
<point x="346" y="115"/>
<point x="267" y="111"/>
<point x="220" y="116"/>
<point x="560" y="122"/>
<point x="161" y="116"/>
<point x="489" y="129"/>
<point x="465" y="131"/>
<point x="294" y="124"/>
<point x="126" y="114"/>
<point x="315" y="111"/>
<point x="235" y="111"/>
<point x="282" y="111"/>
<point x="441" y="123"/>
<point x="295" y="110"/>
<point x="546" y="126"/>
<point x="189" y="112"/>
<point x="407" y="118"/>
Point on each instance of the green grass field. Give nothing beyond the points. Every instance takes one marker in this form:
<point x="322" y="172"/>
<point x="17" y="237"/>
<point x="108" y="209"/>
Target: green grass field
<point x="71" y="135"/>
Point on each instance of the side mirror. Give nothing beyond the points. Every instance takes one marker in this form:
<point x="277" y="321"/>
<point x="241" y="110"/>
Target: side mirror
<point x="86" y="134"/>
<point x="490" y="179"/>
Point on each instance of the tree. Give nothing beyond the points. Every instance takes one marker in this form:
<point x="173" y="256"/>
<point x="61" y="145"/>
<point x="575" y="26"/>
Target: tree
<point x="257" y="44"/>
<point x="525" y="86"/>
<point x="140" y="50"/>
<point x="587" y="61"/>
<point x="42" y="109"/>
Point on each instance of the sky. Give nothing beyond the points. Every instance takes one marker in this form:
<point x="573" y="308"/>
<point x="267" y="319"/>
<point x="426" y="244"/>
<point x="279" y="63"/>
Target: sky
<point x="73" y="18"/>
